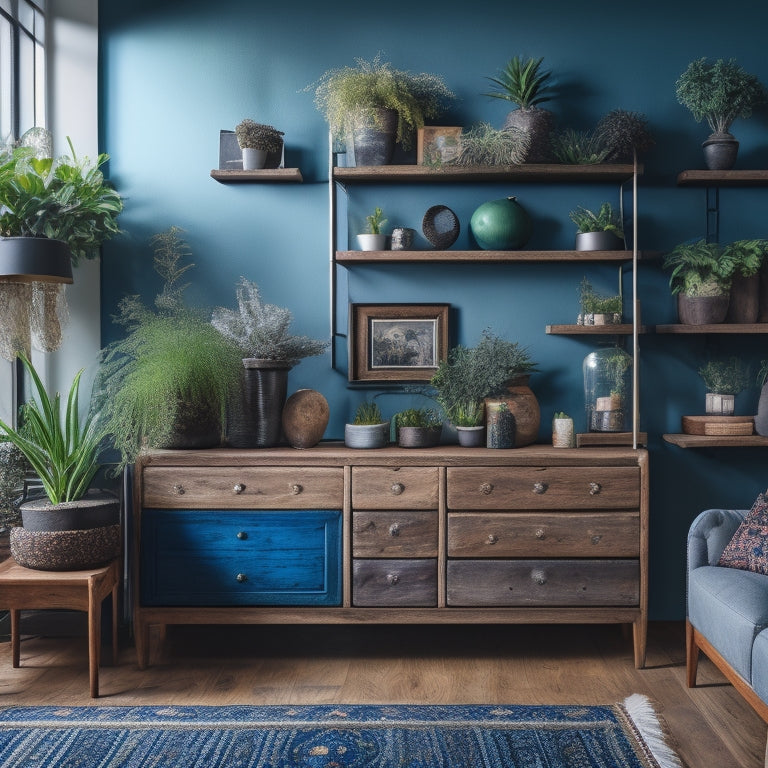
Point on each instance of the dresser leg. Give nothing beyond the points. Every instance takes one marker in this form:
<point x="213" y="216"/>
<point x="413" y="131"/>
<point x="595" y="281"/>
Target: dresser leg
<point x="15" y="651"/>
<point x="640" y="635"/>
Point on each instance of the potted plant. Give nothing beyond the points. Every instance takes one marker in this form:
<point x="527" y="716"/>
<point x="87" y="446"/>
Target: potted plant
<point x="53" y="214"/>
<point x="606" y="382"/>
<point x="482" y="144"/>
<point x="625" y="135"/>
<point x="573" y="147"/>
<point x="258" y="141"/>
<point x="600" y="230"/>
<point x="167" y="382"/>
<point x="373" y="239"/>
<point x="744" y="258"/>
<point x="260" y="333"/>
<point x="596" y="308"/>
<point x="563" y="433"/>
<point x="369" y="429"/>
<point x="418" y="428"/>
<point x="73" y="527"/>
<point x="524" y="83"/>
<point x="719" y="92"/>
<point x="701" y="280"/>
<point x="372" y="106"/>
<point x="724" y="379"/>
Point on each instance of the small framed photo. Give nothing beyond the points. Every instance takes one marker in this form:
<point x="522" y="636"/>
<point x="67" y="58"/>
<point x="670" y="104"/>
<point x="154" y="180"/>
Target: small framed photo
<point x="438" y="145"/>
<point x="397" y="342"/>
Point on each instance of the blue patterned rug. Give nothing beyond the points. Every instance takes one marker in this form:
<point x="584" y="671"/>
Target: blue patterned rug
<point x="627" y="735"/>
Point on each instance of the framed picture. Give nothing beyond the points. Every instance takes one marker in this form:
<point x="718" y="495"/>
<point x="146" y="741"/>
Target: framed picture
<point x="397" y="342"/>
<point x="438" y="145"/>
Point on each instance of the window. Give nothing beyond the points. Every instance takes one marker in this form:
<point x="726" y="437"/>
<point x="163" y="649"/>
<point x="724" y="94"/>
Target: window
<point x="22" y="67"/>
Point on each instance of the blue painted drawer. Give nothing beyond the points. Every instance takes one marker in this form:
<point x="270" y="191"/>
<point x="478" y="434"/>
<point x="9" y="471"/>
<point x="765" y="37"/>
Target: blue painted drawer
<point x="265" y="557"/>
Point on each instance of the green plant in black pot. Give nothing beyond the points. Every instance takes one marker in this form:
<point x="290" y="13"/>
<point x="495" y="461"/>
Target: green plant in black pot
<point x="600" y="230"/>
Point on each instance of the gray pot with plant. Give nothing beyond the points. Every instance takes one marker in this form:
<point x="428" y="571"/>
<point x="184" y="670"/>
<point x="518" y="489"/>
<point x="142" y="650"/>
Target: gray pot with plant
<point x="373" y="106"/>
<point x="73" y="527"/>
<point x="719" y="92"/>
<point x="260" y="332"/>
<point x="724" y="379"/>
<point x="261" y="144"/>
<point x="373" y="239"/>
<point x="524" y="83"/>
<point x="599" y="230"/>
<point x="418" y="428"/>
<point x="369" y="429"/>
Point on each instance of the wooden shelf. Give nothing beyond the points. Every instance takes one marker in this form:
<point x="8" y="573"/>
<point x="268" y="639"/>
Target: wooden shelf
<point x="371" y="257"/>
<point x="262" y="175"/>
<point x="754" y="178"/>
<point x="718" y="328"/>
<point x="716" y="441"/>
<point x="545" y="172"/>
<point x="623" y="329"/>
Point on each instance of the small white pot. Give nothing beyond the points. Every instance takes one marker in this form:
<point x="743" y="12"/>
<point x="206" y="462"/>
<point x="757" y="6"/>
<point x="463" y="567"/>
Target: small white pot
<point x="374" y="242"/>
<point x="720" y="405"/>
<point x="254" y="159"/>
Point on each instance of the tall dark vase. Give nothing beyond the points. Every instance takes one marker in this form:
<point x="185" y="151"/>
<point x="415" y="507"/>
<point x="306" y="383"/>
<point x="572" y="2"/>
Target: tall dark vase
<point x="744" y="306"/>
<point x="372" y="139"/>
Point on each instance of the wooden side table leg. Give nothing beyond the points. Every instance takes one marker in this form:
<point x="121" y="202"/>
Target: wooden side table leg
<point x="15" y="650"/>
<point x="94" y="640"/>
<point x="114" y="624"/>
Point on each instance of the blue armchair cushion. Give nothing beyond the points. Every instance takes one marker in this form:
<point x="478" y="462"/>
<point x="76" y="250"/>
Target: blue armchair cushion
<point x="748" y="549"/>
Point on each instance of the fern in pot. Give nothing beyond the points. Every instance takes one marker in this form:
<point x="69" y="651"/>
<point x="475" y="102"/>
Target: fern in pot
<point x="260" y="332"/>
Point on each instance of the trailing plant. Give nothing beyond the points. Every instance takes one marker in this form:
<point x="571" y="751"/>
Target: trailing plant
<point x="594" y="303"/>
<point x="418" y="417"/>
<point x="65" y="199"/>
<point x="368" y="413"/>
<point x="483" y="144"/>
<point x="375" y="221"/>
<point x="573" y="147"/>
<point x="252" y="135"/>
<point x="744" y="257"/>
<point x="719" y="92"/>
<point x="522" y="82"/>
<point x="343" y="94"/>
<point x="624" y="134"/>
<point x="698" y="270"/>
<point x="605" y="219"/>
<point x="262" y="330"/>
<point x="62" y="451"/>
<point x="725" y="377"/>
<point x="617" y="363"/>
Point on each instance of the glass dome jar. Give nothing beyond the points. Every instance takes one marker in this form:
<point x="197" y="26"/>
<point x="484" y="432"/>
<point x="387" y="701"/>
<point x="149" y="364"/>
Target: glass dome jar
<point x="607" y="390"/>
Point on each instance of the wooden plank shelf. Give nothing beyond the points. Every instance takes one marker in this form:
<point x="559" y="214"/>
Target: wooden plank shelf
<point x="623" y="329"/>
<point x="717" y="328"/>
<point x="372" y="257"/>
<point x="261" y="175"/>
<point x="716" y="441"/>
<point x="751" y="178"/>
<point x="544" y="172"/>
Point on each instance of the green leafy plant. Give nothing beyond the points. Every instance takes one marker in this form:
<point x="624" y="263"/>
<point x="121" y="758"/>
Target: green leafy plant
<point x="368" y="413"/>
<point x="624" y="135"/>
<point x="605" y="219"/>
<point x="252" y="135"/>
<point x="375" y="221"/>
<point x="483" y="144"/>
<point x="561" y="415"/>
<point x="522" y="82"/>
<point x="65" y="199"/>
<point x="744" y="257"/>
<point x="62" y="451"/>
<point x="725" y="377"/>
<point x="573" y="147"/>
<point x="418" y="417"/>
<point x="594" y="303"/>
<point x="698" y="270"/>
<point x="617" y="363"/>
<point x="719" y="92"/>
<point x="343" y="94"/>
<point x="262" y="330"/>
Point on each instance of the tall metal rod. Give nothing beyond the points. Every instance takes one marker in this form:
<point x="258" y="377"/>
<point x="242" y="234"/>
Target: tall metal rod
<point x="332" y="248"/>
<point x="635" y="313"/>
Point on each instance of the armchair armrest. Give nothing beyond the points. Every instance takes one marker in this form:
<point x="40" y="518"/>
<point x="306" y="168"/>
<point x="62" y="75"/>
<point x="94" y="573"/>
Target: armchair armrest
<point x="709" y="534"/>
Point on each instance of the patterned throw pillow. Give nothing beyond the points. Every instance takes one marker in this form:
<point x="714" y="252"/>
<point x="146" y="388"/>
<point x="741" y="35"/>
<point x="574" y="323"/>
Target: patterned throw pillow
<point x="748" y="549"/>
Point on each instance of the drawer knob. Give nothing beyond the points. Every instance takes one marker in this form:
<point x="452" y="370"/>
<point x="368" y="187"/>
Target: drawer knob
<point x="540" y="487"/>
<point x="539" y="577"/>
<point x="239" y="488"/>
<point x="178" y="489"/>
<point x="241" y="578"/>
<point x="394" y="529"/>
<point x="296" y="489"/>
<point x="540" y="533"/>
<point x="595" y="488"/>
<point x="486" y="488"/>
<point x="492" y="538"/>
<point x="242" y="535"/>
<point x="397" y="489"/>
<point x="393" y="578"/>
<point x="596" y="539"/>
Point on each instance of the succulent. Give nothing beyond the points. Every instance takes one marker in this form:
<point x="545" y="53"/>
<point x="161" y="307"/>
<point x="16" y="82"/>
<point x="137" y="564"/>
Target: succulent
<point x="375" y="221"/>
<point x="522" y="82"/>
<point x="252" y="135"/>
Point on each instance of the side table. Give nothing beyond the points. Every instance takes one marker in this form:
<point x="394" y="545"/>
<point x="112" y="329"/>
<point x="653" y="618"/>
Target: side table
<point x="24" y="588"/>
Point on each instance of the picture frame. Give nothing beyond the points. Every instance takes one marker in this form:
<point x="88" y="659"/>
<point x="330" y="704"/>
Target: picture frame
<point x="438" y="145"/>
<point x="397" y="342"/>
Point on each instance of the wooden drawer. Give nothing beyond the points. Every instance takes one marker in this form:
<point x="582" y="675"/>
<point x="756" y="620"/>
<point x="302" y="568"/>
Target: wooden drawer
<point x="543" y="487"/>
<point x="240" y="558"/>
<point x="522" y="534"/>
<point x="546" y="583"/>
<point x="243" y="487"/>
<point x="411" y="533"/>
<point x="395" y="487"/>
<point x="394" y="583"/>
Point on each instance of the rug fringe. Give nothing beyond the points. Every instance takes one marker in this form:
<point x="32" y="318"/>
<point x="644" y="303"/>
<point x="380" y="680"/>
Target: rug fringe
<point x="648" y="724"/>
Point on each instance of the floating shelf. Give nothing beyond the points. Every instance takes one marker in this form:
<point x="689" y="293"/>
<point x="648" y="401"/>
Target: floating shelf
<point x="371" y="257"/>
<point x="623" y="329"/>
<point x="723" y="178"/>
<point x="716" y="441"/>
<point x="262" y="175"/>
<point x="719" y="328"/>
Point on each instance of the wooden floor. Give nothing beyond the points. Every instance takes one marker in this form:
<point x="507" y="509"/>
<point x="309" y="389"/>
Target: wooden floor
<point x="712" y="726"/>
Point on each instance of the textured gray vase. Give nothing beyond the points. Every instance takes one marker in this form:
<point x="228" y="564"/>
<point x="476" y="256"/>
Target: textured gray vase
<point x="372" y="140"/>
<point x="537" y="123"/>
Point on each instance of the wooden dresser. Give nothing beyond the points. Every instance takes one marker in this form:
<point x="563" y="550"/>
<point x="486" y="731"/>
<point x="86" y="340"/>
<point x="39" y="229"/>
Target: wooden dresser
<point x="393" y="535"/>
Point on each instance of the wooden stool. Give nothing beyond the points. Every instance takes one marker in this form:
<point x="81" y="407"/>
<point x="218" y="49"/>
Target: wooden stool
<point x="24" y="588"/>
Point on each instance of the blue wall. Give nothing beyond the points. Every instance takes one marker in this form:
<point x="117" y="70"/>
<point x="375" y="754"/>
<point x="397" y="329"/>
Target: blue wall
<point x="174" y="73"/>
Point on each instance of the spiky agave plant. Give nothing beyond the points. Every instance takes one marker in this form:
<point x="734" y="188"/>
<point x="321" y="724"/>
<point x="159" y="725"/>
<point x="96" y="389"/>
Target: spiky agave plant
<point x="522" y="82"/>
